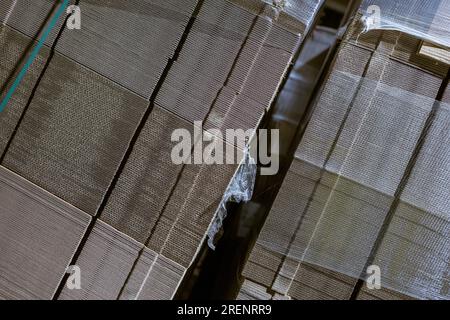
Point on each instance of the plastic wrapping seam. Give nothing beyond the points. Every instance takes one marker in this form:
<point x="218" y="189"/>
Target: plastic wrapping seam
<point x="427" y="20"/>
<point x="239" y="190"/>
<point x="329" y="213"/>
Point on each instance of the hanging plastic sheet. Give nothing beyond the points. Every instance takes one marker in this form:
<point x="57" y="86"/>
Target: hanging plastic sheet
<point x="240" y="189"/>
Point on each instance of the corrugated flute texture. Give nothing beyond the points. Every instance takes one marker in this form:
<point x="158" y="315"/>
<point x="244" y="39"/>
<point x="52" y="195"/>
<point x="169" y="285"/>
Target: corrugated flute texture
<point x="12" y="47"/>
<point x="367" y="184"/>
<point x="30" y="18"/>
<point x="105" y="262"/>
<point x="97" y="134"/>
<point x="218" y="75"/>
<point x="129" y="41"/>
<point x="38" y="236"/>
<point x="75" y="133"/>
<point x="148" y="178"/>
<point x="154" y="278"/>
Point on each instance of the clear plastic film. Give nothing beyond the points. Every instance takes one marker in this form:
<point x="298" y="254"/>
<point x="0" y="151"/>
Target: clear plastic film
<point x="294" y="15"/>
<point x="428" y="20"/>
<point x="239" y="190"/>
<point x="368" y="185"/>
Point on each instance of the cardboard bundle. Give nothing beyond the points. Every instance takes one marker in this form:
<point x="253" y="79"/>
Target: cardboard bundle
<point x="366" y="187"/>
<point x="87" y="136"/>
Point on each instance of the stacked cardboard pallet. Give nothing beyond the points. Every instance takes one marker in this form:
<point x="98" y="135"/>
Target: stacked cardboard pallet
<point x="86" y="170"/>
<point x="368" y="183"/>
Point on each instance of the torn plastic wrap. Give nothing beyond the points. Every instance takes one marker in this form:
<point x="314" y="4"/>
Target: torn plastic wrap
<point x="281" y="13"/>
<point x="293" y="15"/>
<point x="239" y="190"/>
<point x="369" y="184"/>
<point x="344" y="207"/>
<point x="427" y="20"/>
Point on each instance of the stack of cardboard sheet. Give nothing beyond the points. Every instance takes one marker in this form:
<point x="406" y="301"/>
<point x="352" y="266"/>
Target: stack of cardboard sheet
<point x="368" y="186"/>
<point x="86" y="174"/>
